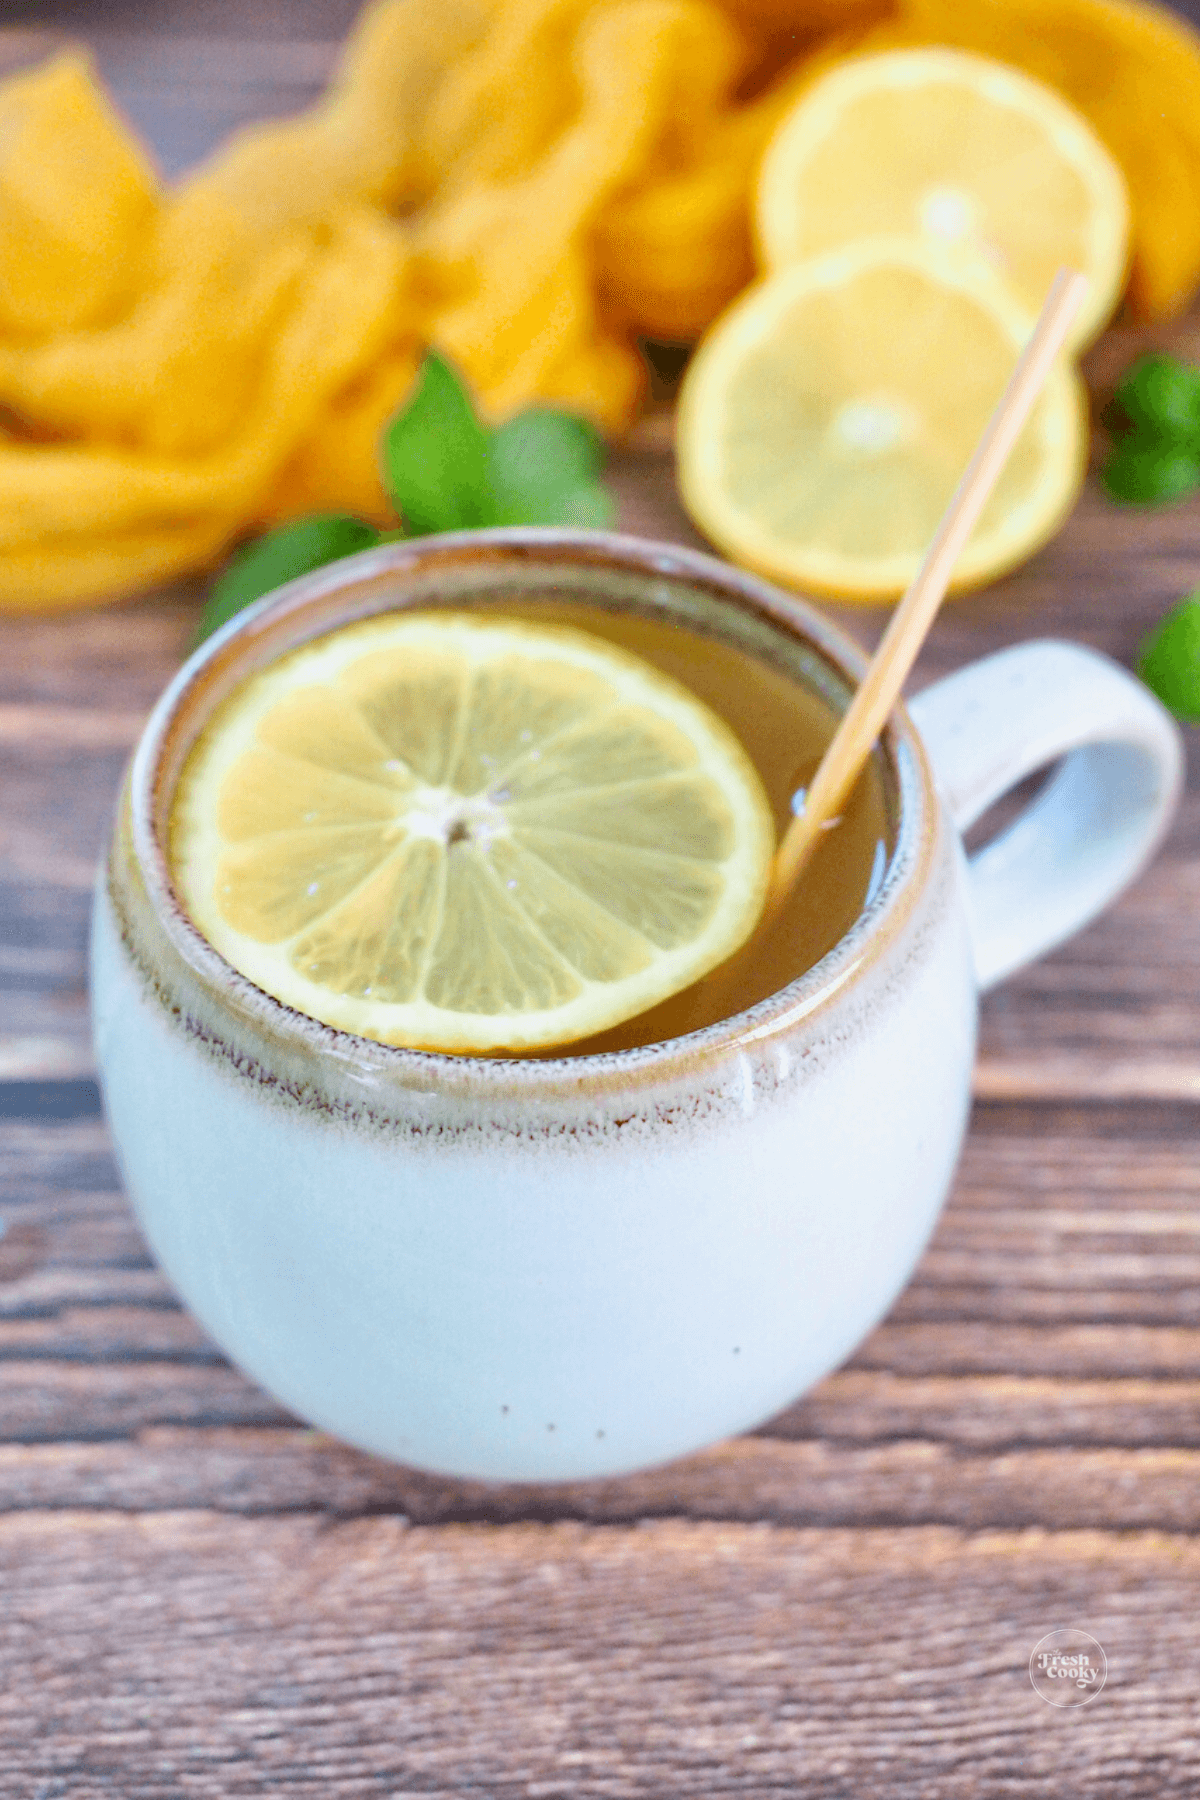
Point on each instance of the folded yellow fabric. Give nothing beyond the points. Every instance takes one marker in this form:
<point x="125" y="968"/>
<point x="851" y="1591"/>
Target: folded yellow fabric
<point x="526" y="185"/>
<point x="78" y="201"/>
<point x="178" y="368"/>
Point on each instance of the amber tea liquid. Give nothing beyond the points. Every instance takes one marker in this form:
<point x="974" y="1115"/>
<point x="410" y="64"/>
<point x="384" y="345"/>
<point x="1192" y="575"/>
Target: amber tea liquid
<point x="785" y="726"/>
<point x="747" y="673"/>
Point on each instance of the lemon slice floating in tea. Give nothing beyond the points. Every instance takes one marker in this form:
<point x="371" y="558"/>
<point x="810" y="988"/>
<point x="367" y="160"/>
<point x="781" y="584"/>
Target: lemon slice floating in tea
<point x="469" y="835"/>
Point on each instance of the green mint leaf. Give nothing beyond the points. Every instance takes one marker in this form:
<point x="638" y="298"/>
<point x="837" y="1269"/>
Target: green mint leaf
<point x="435" y="456"/>
<point x="591" y="507"/>
<point x="1160" y="397"/>
<point x="1169" y="660"/>
<point x="278" y="557"/>
<point x="542" y="461"/>
<point x="1149" y="472"/>
<point x="446" y="471"/>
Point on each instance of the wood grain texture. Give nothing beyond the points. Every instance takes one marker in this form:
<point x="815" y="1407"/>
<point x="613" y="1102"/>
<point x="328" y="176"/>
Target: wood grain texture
<point x="374" y="1658"/>
<point x="261" y="1470"/>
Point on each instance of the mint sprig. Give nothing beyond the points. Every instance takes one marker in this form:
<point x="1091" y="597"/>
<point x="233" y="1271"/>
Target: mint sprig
<point x="435" y="455"/>
<point x="1154" y="417"/>
<point x="545" y="470"/>
<point x="1169" y="659"/>
<point x="1147" y="472"/>
<point x="444" y="470"/>
<point x="1160" y="395"/>
<point x="447" y="471"/>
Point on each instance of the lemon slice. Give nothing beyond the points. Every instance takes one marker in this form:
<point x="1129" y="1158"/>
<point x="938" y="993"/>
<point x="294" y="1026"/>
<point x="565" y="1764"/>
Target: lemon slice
<point x="824" y="423"/>
<point x="469" y="836"/>
<point x="960" y="152"/>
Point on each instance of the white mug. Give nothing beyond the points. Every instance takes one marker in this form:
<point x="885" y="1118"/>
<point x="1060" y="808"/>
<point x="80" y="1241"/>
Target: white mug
<point x="550" y="1270"/>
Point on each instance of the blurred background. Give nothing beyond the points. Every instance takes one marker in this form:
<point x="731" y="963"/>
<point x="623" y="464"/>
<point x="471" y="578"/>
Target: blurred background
<point x="286" y="49"/>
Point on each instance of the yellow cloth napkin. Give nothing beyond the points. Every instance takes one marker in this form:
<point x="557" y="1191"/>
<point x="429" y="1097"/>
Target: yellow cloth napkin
<point x="526" y="185"/>
<point x="180" y="367"/>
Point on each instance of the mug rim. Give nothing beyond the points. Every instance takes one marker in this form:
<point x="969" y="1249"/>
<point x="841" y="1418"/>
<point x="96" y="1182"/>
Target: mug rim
<point x="215" y="666"/>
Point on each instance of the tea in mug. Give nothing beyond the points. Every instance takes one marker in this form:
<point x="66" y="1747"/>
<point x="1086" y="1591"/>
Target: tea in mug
<point x="535" y="828"/>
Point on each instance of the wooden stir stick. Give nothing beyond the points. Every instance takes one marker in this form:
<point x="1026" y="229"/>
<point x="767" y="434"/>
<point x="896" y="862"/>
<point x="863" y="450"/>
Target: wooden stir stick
<point x="867" y="713"/>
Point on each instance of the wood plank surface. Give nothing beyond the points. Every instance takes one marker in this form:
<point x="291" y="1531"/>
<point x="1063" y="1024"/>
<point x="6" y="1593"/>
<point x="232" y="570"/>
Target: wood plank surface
<point x="201" y="1597"/>
<point x="371" y="1657"/>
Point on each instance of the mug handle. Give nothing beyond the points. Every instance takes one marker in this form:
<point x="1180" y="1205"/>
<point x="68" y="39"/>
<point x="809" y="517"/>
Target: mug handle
<point x="1094" y="824"/>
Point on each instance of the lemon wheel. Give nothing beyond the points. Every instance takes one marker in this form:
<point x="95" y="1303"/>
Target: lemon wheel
<point x="469" y="836"/>
<point x="960" y="152"/>
<point x="825" y="421"/>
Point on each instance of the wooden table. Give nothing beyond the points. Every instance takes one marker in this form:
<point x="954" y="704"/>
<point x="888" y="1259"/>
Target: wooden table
<point x="200" y="1597"/>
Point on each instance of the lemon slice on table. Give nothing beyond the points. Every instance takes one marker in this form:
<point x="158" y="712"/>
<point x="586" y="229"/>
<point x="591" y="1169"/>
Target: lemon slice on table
<point x="824" y="423"/>
<point x="469" y="836"/>
<point x="960" y="152"/>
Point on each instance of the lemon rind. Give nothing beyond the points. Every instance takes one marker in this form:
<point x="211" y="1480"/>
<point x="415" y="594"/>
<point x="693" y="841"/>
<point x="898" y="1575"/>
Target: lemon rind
<point x="743" y="326"/>
<point x="815" y="117"/>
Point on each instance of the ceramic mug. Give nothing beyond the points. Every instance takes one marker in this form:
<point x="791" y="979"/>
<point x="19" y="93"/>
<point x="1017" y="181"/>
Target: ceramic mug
<point x="547" y="1270"/>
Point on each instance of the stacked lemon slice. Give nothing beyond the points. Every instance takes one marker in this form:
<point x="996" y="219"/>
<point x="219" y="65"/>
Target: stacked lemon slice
<point x="464" y="835"/>
<point x="911" y="212"/>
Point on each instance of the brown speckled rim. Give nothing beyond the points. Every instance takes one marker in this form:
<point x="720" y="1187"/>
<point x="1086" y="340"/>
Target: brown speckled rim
<point x="439" y="569"/>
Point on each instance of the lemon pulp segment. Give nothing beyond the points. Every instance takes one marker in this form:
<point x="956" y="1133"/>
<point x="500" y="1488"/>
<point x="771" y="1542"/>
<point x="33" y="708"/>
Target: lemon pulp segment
<point x="825" y="422"/>
<point x="469" y="836"/>
<point x="960" y="152"/>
